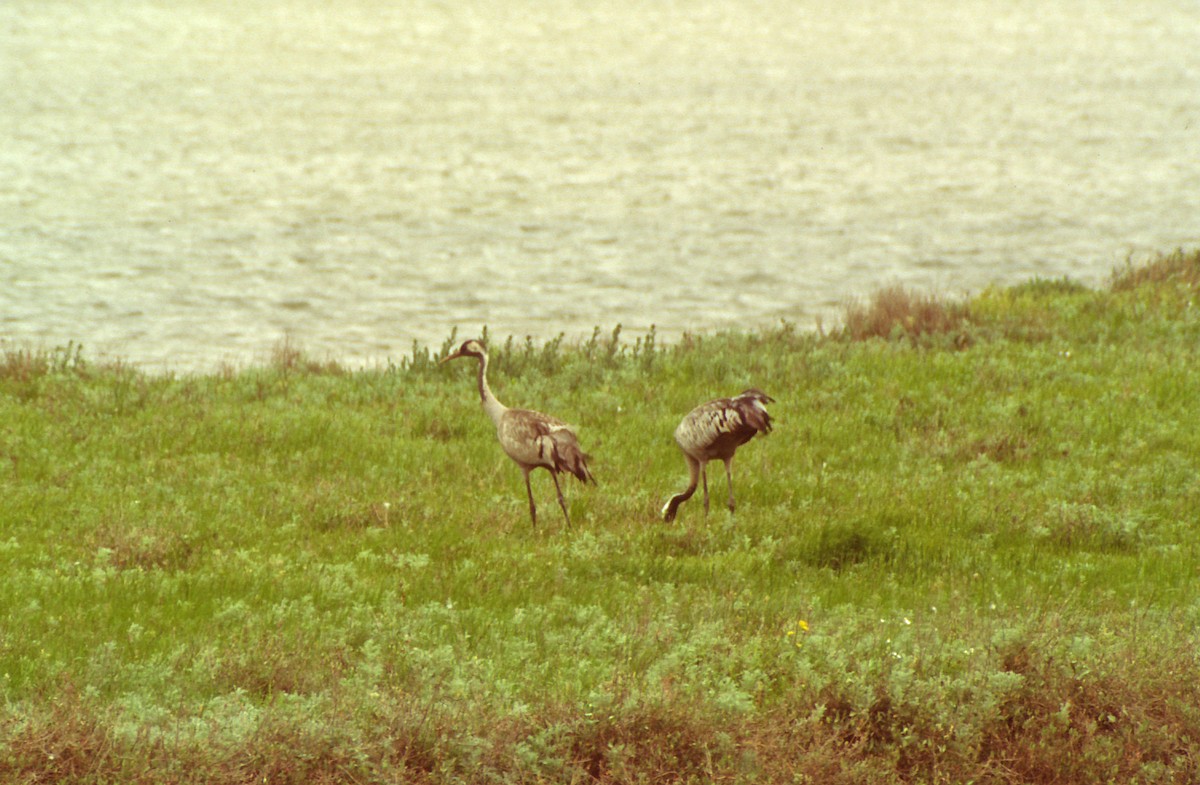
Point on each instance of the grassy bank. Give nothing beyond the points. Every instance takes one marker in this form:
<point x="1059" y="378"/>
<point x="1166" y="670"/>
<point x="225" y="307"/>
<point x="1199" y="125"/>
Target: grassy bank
<point x="968" y="552"/>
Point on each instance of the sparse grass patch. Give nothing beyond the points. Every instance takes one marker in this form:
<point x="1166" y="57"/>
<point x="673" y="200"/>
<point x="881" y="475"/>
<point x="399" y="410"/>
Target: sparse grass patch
<point x="842" y="546"/>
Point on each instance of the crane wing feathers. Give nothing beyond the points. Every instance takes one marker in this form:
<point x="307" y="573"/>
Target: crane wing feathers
<point x="718" y="427"/>
<point x="535" y="439"/>
<point x="567" y="456"/>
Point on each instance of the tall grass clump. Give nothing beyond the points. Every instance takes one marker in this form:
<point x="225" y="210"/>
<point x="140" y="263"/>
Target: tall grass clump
<point x="961" y="556"/>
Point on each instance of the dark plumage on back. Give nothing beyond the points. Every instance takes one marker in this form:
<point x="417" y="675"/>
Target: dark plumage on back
<point x="715" y="430"/>
<point x="530" y="438"/>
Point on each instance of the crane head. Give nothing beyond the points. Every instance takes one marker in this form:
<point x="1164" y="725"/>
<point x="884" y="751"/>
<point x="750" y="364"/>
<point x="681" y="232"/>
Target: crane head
<point x="470" y="348"/>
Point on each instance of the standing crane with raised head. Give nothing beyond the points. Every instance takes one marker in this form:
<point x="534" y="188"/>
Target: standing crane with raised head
<point x="715" y="430"/>
<point x="530" y="438"/>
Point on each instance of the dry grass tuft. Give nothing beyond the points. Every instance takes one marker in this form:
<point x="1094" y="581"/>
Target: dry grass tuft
<point x="288" y="358"/>
<point x="67" y="743"/>
<point x="131" y="547"/>
<point x="895" y="310"/>
<point x="1180" y="267"/>
<point x="24" y="364"/>
<point x="21" y="365"/>
<point x="655" y="742"/>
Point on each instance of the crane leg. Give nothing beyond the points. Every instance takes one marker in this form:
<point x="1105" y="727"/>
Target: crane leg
<point x="729" y="480"/>
<point x="561" y="502"/>
<point x="532" y="506"/>
<point x="704" y="477"/>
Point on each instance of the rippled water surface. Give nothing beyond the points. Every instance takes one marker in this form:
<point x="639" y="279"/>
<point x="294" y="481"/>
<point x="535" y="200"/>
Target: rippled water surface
<point x="184" y="183"/>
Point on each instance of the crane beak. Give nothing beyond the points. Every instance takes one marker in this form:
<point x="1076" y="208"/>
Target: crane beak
<point x="449" y="357"/>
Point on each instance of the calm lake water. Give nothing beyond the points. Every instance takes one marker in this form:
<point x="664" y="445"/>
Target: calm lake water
<point x="183" y="183"/>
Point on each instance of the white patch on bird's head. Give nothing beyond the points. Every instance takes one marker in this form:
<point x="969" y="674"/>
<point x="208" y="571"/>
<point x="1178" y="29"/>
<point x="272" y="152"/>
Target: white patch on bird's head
<point x="473" y="348"/>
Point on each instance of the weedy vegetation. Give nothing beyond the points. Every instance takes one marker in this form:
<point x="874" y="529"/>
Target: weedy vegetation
<point x="968" y="553"/>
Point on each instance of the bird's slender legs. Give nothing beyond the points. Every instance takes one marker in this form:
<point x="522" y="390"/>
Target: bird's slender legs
<point x="561" y="502"/>
<point x="729" y="479"/>
<point x="704" y="475"/>
<point x="672" y="505"/>
<point x="532" y="506"/>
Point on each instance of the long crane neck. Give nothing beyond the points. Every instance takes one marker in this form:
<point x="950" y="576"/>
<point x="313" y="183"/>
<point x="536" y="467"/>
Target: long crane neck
<point x="493" y="408"/>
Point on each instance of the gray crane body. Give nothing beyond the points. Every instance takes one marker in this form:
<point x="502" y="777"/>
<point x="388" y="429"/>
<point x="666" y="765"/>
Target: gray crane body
<point x="531" y="439"/>
<point x="714" y="431"/>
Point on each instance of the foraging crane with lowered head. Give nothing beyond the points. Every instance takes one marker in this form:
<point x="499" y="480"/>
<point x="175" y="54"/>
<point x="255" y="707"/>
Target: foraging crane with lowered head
<point x="530" y="438"/>
<point x="715" y="430"/>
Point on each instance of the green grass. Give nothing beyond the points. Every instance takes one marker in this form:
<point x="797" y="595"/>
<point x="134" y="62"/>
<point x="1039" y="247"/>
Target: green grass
<point x="968" y="552"/>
